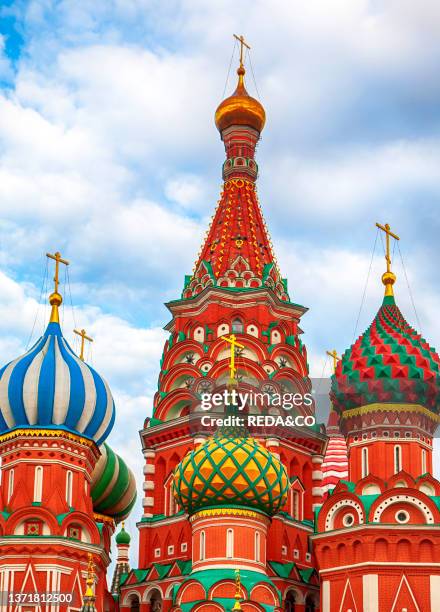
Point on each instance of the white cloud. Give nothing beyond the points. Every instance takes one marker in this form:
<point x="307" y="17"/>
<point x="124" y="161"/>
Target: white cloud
<point x="187" y="190"/>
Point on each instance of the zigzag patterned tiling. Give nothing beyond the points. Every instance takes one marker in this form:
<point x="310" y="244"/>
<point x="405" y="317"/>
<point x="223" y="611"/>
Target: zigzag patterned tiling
<point x="390" y="362"/>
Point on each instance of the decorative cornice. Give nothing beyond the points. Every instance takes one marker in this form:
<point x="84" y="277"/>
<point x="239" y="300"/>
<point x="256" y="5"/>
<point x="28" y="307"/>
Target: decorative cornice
<point x="226" y="512"/>
<point x="103" y="518"/>
<point x="46" y="433"/>
<point x="391" y="407"/>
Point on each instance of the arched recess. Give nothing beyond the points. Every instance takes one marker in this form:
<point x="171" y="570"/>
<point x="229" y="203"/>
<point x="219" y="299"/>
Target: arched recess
<point x="311" y="604"/>
<point x="381" y="549"/>
<point x="37" y="512"/>
<point x="176" y="377"/>
<point x="176" y="353"/>
<point x="154" y="601"/>
<point x="132" y="601"/>
<point x="171" y="406"/>
<point x="426" y="549"/>
<point x="291" y="601"/>
<point x="403" y="551"/>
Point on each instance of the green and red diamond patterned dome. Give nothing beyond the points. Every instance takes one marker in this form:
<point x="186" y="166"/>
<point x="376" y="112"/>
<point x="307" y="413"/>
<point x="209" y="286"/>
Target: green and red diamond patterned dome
<point x="389" y="363"/>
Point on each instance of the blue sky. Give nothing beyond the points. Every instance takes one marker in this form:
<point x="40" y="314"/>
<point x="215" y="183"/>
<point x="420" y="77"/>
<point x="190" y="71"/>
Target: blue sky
<point x="109" y="153"/>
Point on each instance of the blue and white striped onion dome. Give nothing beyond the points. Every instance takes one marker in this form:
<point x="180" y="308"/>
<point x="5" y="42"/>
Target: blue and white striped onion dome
<point x="52" y="388"/>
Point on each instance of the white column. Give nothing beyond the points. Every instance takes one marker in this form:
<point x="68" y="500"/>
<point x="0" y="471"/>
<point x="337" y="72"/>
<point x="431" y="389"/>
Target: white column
<point x="434" y="589"/>
<point x="326" y="596"/>
<point x="370" y="588"/>
<point x="148" y="485"/>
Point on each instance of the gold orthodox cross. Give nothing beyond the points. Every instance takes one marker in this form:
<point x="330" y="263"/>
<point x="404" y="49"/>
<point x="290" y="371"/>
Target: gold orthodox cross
<point x="334" y="355"/>
<point x="233" y="342"/>
<point x="90" y="576"/>
<point x="386" y="228"/>
<point x="243" y="44"/>
<point x="237" y="607"/>
<point x="84" y="337"/>
<point x="58" y="259"/>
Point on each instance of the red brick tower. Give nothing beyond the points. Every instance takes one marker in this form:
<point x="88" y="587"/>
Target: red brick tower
<point x="335" y="464"/>
<point x="236" y="287"/>
<point x="55" y="413"/>
<point x="378" y="534"/>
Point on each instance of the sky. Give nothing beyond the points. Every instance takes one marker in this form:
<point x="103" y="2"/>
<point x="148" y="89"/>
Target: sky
<point x="109" y="154"/>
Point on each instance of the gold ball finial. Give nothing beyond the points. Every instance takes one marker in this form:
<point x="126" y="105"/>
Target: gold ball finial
<point x="388" y="279"/>
<point x="55" y="299"/>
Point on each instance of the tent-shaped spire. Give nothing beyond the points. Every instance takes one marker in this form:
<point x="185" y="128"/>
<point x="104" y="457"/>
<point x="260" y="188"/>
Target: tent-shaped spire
<point x="237" y="252"/>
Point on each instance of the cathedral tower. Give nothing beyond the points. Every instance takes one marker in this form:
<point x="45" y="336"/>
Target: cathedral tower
<point x="55" y="413"/>
<point x="236" y="288"/>
<point x="378" y="533"/>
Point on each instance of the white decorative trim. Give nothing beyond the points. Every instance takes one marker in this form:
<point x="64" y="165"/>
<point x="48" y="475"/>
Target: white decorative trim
<point x="434" y="590"/>
<point x="326" y="596"/>
<point x="409" y="499"/>
<point x="329" y="521"/>
<point x="402" y="581"/>
<point x="347" y="586"/>
<point x="370" y="592"/>
<point x="376" y="564"/>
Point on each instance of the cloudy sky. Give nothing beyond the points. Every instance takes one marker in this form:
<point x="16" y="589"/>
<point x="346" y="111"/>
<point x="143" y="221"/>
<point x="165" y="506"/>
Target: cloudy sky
<point x="109" y="153"/>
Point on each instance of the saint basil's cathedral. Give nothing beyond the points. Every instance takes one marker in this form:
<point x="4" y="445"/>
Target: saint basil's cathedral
<point x="342" y="518"/>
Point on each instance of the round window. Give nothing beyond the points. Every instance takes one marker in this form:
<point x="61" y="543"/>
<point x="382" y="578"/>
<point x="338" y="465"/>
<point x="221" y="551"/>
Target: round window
<point x="348" y="520"/>
<point x="402" y="516"/>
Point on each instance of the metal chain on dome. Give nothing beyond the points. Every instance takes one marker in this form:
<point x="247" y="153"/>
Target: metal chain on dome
<point x="42" y="291"/>
<point x="324" y="367"/>
<point x="252" y="72"/>
<point x="70" y="297"/>
<point x="229" y="69"/>
<point x="64" y="293"/>
<point x="365" y="288"/>
<point x="409" y="290"/>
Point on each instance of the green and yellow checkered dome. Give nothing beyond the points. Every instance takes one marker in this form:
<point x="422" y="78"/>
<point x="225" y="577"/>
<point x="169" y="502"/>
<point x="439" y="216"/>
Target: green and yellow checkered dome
<point x="234" y="472"/>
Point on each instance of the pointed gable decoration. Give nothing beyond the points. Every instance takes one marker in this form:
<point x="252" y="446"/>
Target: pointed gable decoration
<point x="348" y="601"/>
<point x="405" y="598"/>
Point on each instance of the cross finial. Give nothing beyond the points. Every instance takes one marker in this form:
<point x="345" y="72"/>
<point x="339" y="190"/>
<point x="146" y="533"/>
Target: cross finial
<point x="84" y="337"/>
<point x="334" y="355"/>
<point x="232" y="369"/>
<point x="388" y="278"/>
<point x="237" y="607"/>
<point x="90" y="576"/>
<point x="243" y="44"/>
<point x="55" y="298"/>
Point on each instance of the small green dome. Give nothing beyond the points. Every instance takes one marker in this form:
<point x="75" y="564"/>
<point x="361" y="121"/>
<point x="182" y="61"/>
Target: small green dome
<point x="123" y="537"/>
<point x="227" y="471"/>
<point x="113" y="486"/>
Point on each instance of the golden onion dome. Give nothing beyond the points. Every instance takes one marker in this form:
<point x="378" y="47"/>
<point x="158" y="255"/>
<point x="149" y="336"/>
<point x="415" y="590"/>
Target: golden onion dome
<point x="240" y="108"/>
